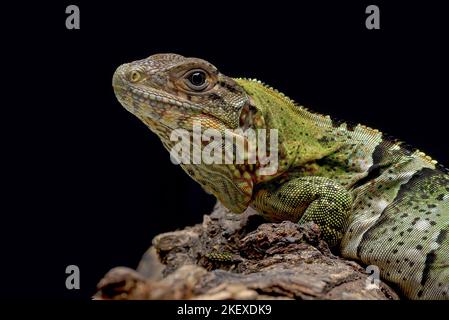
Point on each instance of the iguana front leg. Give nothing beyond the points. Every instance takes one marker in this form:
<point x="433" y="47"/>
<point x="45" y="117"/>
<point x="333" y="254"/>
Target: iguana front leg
<point x="304" y="199"/>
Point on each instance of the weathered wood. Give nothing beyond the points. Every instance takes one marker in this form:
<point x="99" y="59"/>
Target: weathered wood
<point x="269" y="261"/>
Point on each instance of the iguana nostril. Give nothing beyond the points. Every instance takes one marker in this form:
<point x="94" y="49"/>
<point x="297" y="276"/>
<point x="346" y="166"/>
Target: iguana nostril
<point x="134" y="76"/>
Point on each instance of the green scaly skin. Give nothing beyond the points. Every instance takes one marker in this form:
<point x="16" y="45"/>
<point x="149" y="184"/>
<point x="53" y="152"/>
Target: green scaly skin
<point x="381" y="203"/>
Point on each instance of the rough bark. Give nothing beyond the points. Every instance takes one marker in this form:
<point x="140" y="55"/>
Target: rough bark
<point x="269" y="261"/>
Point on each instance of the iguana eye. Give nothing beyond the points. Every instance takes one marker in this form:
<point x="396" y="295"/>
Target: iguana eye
<point x="197" y="80"/>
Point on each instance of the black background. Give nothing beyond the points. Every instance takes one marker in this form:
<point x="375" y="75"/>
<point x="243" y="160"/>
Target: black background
<point x="86" y="183"/>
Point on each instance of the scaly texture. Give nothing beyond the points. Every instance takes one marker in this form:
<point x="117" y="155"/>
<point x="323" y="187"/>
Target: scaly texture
<point x="381" y="203"/>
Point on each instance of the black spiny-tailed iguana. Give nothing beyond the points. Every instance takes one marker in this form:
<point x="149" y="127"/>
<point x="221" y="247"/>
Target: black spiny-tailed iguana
<point x="380" y="202"/>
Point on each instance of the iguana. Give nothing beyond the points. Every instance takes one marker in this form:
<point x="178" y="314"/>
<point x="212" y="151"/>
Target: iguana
<point x="376" y="200"/>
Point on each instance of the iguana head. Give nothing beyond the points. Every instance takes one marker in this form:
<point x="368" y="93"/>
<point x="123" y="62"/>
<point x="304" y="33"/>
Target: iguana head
<point x="168" y="92"/>
<point x="173" y="90"/>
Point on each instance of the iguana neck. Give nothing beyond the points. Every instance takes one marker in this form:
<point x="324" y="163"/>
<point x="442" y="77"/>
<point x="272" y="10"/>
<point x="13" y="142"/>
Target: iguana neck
<point x="303" y="136"/>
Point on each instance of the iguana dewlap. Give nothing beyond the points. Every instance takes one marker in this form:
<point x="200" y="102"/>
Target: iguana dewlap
<point x="383" y="204"/>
